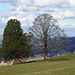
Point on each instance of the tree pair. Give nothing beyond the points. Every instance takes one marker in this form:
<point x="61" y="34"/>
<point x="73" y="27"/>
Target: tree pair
<point x="46" y="36"/>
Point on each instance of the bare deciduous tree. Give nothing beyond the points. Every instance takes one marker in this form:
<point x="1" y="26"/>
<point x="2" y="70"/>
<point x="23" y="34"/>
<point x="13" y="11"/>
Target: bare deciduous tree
<point x="47" y="35"/>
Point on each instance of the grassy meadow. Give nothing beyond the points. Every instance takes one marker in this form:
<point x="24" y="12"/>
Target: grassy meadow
<point x="63" y="65"/>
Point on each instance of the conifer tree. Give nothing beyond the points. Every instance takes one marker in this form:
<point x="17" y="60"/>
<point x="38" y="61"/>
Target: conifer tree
<point x="15" y="43"/>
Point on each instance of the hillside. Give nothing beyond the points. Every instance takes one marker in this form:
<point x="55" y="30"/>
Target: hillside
<point x="71" y="44"/>
<point x="63" y="65"/>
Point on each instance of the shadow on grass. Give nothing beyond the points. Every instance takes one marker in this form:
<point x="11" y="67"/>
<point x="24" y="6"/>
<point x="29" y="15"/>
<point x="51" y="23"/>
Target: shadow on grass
<point x="34" y="61"/>
<point x="49" y="60"/>
<point x="58" y="59"/>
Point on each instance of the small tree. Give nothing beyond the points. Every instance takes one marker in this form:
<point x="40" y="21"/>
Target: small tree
<point x="15" y="43"/>
<point x="47" y="34"/>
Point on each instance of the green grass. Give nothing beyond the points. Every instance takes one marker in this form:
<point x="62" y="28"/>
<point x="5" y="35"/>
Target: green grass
<point x="63" y="65"/>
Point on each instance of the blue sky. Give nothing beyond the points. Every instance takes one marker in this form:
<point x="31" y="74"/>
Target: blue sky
<point x="4" y="6"/>
<point x="27" y="10"/>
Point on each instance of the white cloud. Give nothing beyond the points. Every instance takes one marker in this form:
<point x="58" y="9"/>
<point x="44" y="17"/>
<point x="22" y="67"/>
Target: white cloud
<point x="72" y="3"/>
<point x="21" y="2"/>
<point x="26" y="20"/>
<point x="2" y="21"/>
<point x="69" y="14"/>
<point x="3" y="17"/>
<point x="33" y="8"/>
<point x="30" y="18"/>
<point x="4" y="0"/>
<point x="63" y="14"/>
<point x="12" y="8"/>
<point x="66" y="25"/>
<point x="27" y="10"/>
<point x="52" y="3"/>
<point x="24" y="8"/>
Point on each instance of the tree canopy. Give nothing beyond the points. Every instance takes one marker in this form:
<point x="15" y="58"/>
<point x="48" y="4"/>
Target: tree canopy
<point x="15" y="42"/>
<point x="47" y="34"/>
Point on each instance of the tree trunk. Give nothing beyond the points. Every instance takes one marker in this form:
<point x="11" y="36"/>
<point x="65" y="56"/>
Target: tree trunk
<point x="45" y="54"/>
<point x="16" y="61"/>
<point x="45" y="45"/>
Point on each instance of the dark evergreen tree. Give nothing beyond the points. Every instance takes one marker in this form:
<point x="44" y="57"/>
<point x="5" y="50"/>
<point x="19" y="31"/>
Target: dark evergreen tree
<point x="15" y="43"/>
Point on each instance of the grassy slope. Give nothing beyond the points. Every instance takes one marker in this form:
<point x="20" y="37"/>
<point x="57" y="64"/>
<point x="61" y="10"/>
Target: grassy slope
<point x="64" y="65"/>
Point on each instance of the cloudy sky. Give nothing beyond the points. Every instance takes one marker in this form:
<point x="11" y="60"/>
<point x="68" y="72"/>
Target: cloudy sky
<point x="27" y="10"/>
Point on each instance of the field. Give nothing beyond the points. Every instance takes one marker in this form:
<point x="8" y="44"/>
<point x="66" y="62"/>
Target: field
<point x="63" y="65"/>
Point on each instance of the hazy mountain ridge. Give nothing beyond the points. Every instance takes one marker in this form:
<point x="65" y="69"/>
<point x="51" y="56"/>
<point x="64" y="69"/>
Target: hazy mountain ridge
<point x="70" y="47"/>
<point x="71" y="44"/>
